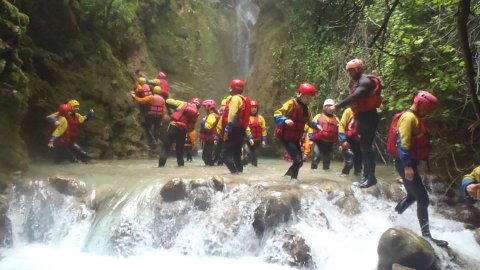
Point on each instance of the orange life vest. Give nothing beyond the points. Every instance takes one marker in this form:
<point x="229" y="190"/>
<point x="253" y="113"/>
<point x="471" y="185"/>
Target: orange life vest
<point x="329" y="131"/>
<point x="370" y="102"/>
<point x="243" y="114"/>
<point x="255" y="128"/>
<point x="208" y="135"/>
<point x="295" y="131"/>
<point x="143" y="90"/>
<point x="158" y="103"/>
<point x="186" y="116"/>
<point x="419" y="145"/>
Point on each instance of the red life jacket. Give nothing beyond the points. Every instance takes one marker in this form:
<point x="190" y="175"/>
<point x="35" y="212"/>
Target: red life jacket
<point x="351" y="129"/>
<point x="255" y="128"/>
<point x="73" y="126"/>
<point x="156" y="108"/>
<point x="164" y="85"/>
<point x="243" y="114"/>
<point x="370" y="102"/>
<point x="295" y="131"/>
<point x="419" y="145"/>
<point x="329" y="131"/>
<point x="208" y="135"/>
<point x="186" y="116"/>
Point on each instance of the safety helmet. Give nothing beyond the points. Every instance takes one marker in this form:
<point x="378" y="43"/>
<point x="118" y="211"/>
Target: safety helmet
<point x="64" y="109"/>
<point x="73" y="103"/>
<point x="157" y="90"/>
<point x="236" y="86"/>
<point x="255" y="103"/>
<point x="328" y="102"/>
<point x="355" y="63"/>
<point x="209" y="104"/>
<point x="196" y="101"/>
<point x="161" y="75"/>
<point x="426" y="101"/>
<point x="141" y="80"/>
<point x="307" y="89"/>
<point x="155" y="81"/>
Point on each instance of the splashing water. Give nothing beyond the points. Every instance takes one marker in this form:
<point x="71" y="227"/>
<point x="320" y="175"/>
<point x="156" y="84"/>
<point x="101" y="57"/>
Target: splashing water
<point x="136" y="229"/>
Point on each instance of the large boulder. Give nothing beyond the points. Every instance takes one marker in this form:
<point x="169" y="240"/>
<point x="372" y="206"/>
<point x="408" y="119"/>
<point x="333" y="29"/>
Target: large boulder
<point x="276" y="207"/>
<point x="403" y="246"/>
<point x="174" y="190"/>
<point x="392" y="191"/>
<point x="349" y="205"/>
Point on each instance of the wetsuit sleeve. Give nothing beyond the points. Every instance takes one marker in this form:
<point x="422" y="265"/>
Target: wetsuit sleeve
<point x="144" y="100"/>
<point x="283" y="113"/>
<point x="173" y="105"/>
<point x="363" y="89"/>
<point x="315" y="121"/>
<point x="470" y="179"/>
<point x="60" y="129"/>
<point x="407" y="124"/>
<point x="210" y="121"/>
<point x="52" y="118"/>
<point x="248" y="133"/>
<point x="263" y="125"/>
<point x="80" y="118"/>
<point x="310" y="133"/>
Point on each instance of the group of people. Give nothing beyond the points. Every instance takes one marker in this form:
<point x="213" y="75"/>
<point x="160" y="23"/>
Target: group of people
<point x="408" y="140"/>
<point x="223" y="132"/>
<point x="66" y="126"/>
<point x="233" y="133"/>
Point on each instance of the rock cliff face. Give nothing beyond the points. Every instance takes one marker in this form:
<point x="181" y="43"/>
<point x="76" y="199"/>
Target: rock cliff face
<point x="53" y="51"/>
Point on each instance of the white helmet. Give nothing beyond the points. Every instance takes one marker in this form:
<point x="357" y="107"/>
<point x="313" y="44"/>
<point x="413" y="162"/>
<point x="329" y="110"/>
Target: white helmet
<point x="328" y="102"/>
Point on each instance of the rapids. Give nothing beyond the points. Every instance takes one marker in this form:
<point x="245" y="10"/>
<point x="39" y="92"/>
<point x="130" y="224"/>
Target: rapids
<point x="134" y="229"/>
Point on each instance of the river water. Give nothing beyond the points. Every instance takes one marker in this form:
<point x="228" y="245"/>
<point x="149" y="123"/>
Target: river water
<point x="58" y="232"/>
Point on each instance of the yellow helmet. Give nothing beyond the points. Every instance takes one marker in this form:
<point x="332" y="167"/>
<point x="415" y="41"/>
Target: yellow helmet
<point x="73" y="103"/>
<point x="156" y="81"/>
<point x="157" y="90"/>
<point x="141" y="80"/>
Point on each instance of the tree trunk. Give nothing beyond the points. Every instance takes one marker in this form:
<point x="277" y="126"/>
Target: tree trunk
<point x="463" y="13"/>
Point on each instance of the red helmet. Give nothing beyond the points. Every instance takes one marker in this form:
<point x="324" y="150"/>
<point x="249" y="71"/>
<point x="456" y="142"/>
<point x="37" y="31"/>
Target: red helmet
<point x="64" y="109"/>
<point x="161" y="75"/>
<point x="209" y="104"/>
<point x="307" y="89"/>
<point x="426" y="101"/>
<point x="255" y="103"/>
<point x="197" y="101"/>
<point x="236" y="86"/>
<point x="355" y="63"/>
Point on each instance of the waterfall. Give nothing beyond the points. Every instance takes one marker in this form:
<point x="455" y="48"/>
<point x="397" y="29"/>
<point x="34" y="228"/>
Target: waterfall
<point x="246" y="17"/>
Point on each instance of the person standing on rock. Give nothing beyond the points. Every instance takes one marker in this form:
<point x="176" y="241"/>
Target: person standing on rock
<point x="364" y="99"/>
<point x="256" y="136"/>
<point x="183" y="117"/>
<point x="471" y="186"/>
<point x="409" y="142"/>
<point x="324" y="134"/>
<point x="290" y="120"/>
<point x="235" y="121"/>
<point x="60" y="139"/>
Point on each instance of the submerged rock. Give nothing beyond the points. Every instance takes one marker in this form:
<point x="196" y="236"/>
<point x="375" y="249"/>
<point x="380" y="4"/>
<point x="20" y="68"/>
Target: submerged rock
<point x="276" y="207"/>
<point x="392" y="191"/>
<point x="5" y="223"/>
<point x="460" y="212"/>
<point x="299" y="251"/>
<point x="349" y="205"/>
<point x="174" y="190"/>
<point x="403" y="246"/>
<point x="68" y="186"/>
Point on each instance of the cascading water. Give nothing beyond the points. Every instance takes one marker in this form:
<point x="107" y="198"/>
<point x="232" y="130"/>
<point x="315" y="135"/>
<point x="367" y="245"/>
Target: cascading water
<point x="128" y="225"/>
<point x="246" y="17"/>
